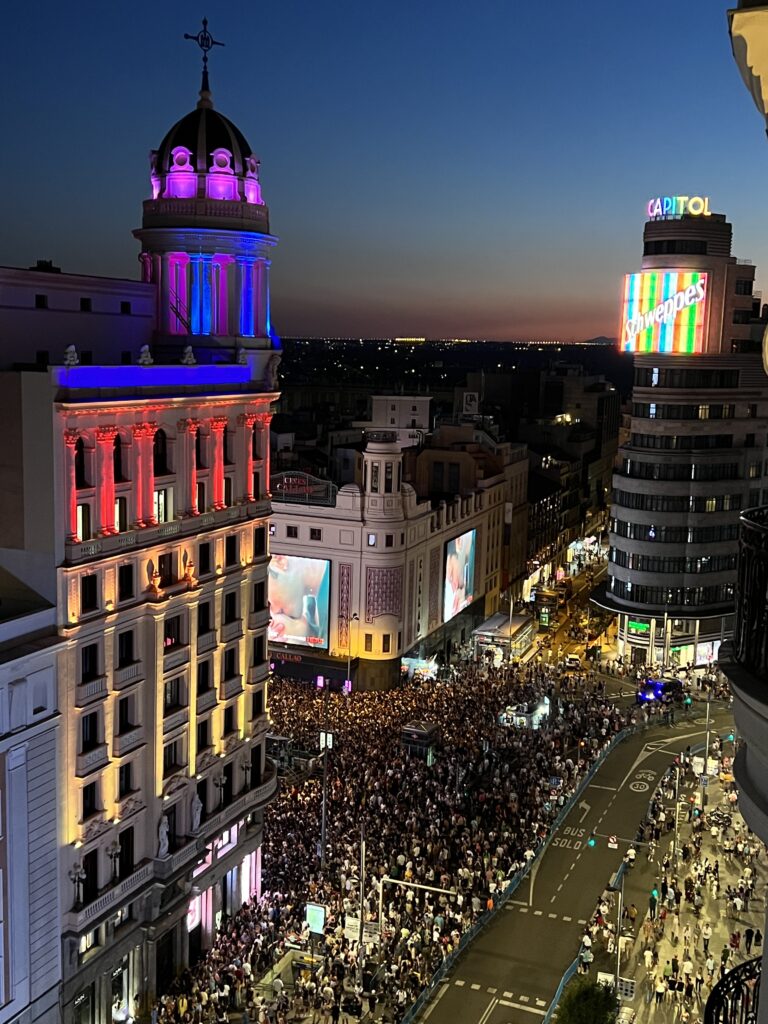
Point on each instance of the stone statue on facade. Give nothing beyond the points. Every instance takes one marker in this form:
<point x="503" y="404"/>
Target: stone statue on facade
<point x="196" y="811"/>
<point x="162" y="835"/>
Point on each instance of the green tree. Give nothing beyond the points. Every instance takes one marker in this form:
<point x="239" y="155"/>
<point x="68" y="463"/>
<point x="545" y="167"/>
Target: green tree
<point x="586" y="1002"/>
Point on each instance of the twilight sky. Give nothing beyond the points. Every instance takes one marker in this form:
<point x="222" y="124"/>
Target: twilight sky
<point x="465" y="168"/>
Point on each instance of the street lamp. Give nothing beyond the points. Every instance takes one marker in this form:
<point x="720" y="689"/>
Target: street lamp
<point x="113" y="852"/>
<point x="77" y="877"/>
<point x="350" y="619"/>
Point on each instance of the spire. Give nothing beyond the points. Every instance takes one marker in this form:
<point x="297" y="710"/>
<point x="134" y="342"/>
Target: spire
<point x="206" y="42"/>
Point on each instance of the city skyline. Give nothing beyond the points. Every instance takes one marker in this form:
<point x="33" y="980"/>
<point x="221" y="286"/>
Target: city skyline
<point x="514" y="214"/>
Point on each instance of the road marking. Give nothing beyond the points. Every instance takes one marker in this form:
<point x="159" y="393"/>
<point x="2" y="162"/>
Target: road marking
<point x="518" y="903"/>
<point x="587" y="808"/>
<point x="560" y="887"/>
<point x="540" y="1002"/>
<point x="491" y="991"/>
<point x="538" y="913"/>
<point x="553" y="898"/>
<point x="508" y="995"/>
<point x="488" y="1011"/>
<point x="567" y="918"/>
<point x="520" y="1006"/>
<point x="582" y="921"/>
<point x="611" y="789"/>
<point x="524" y="999"/>
<point x="435" y="1001"/>
<point x="573" y="865"/>
<point x="524" y="910"/>
<point x="551" y="915"/>
<point x="475" y="987"/>
<point x="459" y="982"/>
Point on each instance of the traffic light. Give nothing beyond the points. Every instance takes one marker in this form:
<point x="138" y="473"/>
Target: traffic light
<point x="592" y="841"/>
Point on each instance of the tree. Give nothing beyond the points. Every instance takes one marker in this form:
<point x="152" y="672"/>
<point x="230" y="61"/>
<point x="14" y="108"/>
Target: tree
<point x="587" y="1002"/>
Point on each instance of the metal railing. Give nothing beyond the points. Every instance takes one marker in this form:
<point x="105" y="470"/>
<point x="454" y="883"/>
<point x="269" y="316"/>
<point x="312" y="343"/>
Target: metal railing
<point x="735" y="998"/>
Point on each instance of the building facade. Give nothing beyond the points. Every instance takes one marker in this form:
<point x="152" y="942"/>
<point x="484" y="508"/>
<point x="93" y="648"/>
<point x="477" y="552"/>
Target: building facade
<point x="697" y="442"/>
<point x="136" y="499"/>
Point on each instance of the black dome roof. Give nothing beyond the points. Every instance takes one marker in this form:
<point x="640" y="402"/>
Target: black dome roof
<point x="202" y="131"/>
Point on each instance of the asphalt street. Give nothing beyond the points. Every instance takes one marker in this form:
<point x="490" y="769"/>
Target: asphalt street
<point x="510" y="973"/>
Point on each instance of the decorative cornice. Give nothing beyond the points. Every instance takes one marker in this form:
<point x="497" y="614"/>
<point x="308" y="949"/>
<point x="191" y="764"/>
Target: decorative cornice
<point x="104" y="434"/>
<point x="144" y="429"/>
<point x="218" y="423"/>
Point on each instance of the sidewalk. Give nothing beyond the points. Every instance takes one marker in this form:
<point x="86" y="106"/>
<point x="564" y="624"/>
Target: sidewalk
<point x="715" y="911"/>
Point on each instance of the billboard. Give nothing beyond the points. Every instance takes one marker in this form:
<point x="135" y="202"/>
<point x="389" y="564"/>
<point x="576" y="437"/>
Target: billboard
<point x="459" y="574"/>
<point x="664" y="311"/>
<point x="299" y="591"/>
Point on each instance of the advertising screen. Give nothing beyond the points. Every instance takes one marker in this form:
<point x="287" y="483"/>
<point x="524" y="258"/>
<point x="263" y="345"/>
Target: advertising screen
<point x="459" y="574"/>
<point x="299" y="590"/>
<point x="664" y="311"/>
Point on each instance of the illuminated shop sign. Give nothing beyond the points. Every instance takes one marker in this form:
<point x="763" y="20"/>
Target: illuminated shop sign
<point x="679" y="206"/>
<point x="664" y="311"/>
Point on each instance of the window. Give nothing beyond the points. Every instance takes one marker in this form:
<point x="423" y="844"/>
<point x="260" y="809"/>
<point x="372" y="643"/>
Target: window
<point x="80" y="478"/>
<point x="259" y="594"/>
<point x="125" y="653"/>
<point x="230" y="550"/>
<point x="203" y="734"/>
<point x="228" y="491"/>
<point x="368" y="643"/>
<point x="292" y="531"/>
<point x="125" y="780"/>
<point x="204" y="618"/>
<point x="386" y="641"/>
<point x="160" y="453"/>
<point x="125" y="308"/>
<point x="257" y="704"/>
<point x="203" y="559"/>
<point x="89" y="662"/>
<point x="200" y="496"/>
<point x="703" y="412"/>
<point x="315" y="533"/>
<point x="749" y="441"/>
<point x="375" y="477"/>
<point x="229" y="721"/>
<point x="125" y="861"/>
<point x="165" y="566"/>
<point x="89" y="732"/>
<point x="84" y="522"/>
<point x="89" y="593"/>
<point x="227" y="442"/>
<point x="742" y="316"/>
<point x="260" y="541"/>
<point x="172" y="632"/>
<point x="125" y="582"/>
<point x="41" y="302"/>
<point x="272" y="529"/>
<point x="753" y="470"/>
<point x="199" y="462"/>
<point x="86" y="305"/>
<point x="172" y="695"/>
<point x="230" y="663"/>
<point x="124" y="716"/>
<point x="399" y="641"/>
<point x="203" y="677"/>
<point x="389" y="540"/>
<point x="387" y="477"/>
<point x="744" y="286"/>
<point x="121" y="514"/>
<point x="162" y="504"/>
<point x="258" y="650"/>
<point x="752" y="410"/>
<point x="169" y="759"/>
<point x="90" y="800"/>
<point x="371" y="540"/>
<point x="230" y="607"/>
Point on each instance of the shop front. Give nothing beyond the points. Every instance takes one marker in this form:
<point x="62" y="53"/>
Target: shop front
<point x="502" y="639"/>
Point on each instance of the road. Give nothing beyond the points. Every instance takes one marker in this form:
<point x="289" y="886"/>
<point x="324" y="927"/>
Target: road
<point x="511" y="972"/>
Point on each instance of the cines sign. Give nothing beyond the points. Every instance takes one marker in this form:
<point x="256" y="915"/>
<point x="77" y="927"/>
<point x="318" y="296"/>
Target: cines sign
<point x="664" y="311"/>
<point x="678" y="206"/>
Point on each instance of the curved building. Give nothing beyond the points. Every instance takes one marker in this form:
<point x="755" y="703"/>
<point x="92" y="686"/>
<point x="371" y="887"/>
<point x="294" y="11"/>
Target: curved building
<point x="696" y="450"/>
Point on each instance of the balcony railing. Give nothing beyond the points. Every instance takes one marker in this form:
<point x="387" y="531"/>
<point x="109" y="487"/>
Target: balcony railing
<point x="750" y="636"/>
<point x="80" y="919"/>
<point x="175" y="656"/>
<point x="207" y="641"/>
<point x="94" y="689"/>
<point x="128" y="740"/>
<point x="231" y="630"/>
<point x="259" y="619"/>
<point x="258" y="673"/>
<point x="206" y="700"/>
<point x="735" y="998"/>
<point x="231" y="687"/>
<point x="92" y="759"/>
<point x="127" y="674"/>
<point x="174" y="719"/>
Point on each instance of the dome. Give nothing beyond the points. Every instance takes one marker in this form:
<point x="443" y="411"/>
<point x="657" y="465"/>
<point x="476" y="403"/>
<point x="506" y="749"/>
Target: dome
<point x="202" y="132"/>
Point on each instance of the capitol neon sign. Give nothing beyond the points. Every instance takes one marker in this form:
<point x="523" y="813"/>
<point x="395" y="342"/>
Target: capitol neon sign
<point x="678" y="206"/>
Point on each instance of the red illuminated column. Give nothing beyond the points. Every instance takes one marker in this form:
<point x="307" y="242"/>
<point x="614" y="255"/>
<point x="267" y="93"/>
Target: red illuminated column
<point x="70" y="439"/>
<point x="144" y="475"/>
<point x="218" y="426"/>
<point x="105" y="479"/>
<point x="245" y="462"/>
<point x="187" y="477"/>
<point x="264" y="420"/>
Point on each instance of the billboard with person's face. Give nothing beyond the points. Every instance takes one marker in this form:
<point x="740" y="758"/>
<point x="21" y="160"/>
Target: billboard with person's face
<point x="299" y="593"/>
<point x="459" y="586"/>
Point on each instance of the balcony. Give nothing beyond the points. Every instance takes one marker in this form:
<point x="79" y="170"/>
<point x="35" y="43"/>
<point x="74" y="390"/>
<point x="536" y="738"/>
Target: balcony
<point x="175" y="719"/>
<point x="258" y="619"/>
<point x="125" y="675"/>
<point x="259" y="728"/>
<point x="128" y="740"/>
<point x="189" y="527"/>
<point x="92" y="760"/>
<point x="207" y="641"/>
<point x="244" y="803"/>
<point x="258" y="673"/>
<point x="94" y="689"/>
<point x="735" y="998"/>
<point x="231" y="630"/>
<point x="83" y="919"/>
<point x="206" y="700"/>
<point x="174" y="657"/>
<point x="229" y="688"/>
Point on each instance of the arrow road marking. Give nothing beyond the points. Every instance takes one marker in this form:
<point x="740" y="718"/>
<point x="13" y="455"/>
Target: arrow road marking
<point x="587" y="809"/>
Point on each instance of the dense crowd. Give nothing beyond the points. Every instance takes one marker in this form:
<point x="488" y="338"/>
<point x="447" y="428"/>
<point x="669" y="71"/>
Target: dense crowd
<point x="464" y="824"/>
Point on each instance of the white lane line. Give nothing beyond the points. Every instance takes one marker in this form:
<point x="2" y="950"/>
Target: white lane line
<point x="519" y="1006"/>
<point x="524" y="999"/>
<point x="475" y="987"/>
<point x="540" y="1002"/>
<point x="507" y="995"/>
<point x="518" y="903"/>
<point x="573" y="866"/>
<point x="435" y="1001"/>
<point x="611" y="789"/>
<point x="560" y="887"/>
<point x="538" y="913"/>
<point x="459" y="982"/>
<point x="524" y="910"/>
<point x="567" y="918"/>
<point x="491" y="991"/>
<point x="551" y="915"/>
<point x="582" y="920"/>
<point x="553" y="898"/>
<point x="488" y="1011"/>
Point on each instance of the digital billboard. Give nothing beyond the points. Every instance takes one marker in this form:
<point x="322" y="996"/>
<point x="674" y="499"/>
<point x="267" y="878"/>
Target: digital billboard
<point x="299" y="591"/>
<point x="664" y="311"/>
<point x="459" y="574"/>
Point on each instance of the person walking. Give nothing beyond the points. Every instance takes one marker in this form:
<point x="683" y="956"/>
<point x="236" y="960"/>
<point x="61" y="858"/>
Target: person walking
<point x="706" y="935"/>
<point x="749" y="934"/>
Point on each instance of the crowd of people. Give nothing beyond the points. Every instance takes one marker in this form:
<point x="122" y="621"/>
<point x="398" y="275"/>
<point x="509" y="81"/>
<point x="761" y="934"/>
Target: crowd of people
<point x="463" y="825"/>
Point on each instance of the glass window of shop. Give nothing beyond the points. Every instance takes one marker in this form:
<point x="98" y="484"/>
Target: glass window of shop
<point x="84" y="1006"/>
<point x="120" y="995"/>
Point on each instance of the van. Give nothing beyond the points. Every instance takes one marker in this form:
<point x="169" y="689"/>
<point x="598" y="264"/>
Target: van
<point x="573" y="662"/>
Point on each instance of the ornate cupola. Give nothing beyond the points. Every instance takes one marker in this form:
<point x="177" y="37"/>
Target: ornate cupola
<point x="205" y="232"/>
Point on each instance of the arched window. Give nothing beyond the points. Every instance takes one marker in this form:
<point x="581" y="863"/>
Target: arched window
<point x="199" y="464"/>
<point x="255" y="450"/>
<point x="117" y="460"/>
<point x="80" y="478"/>
<point x="160" y="453"/>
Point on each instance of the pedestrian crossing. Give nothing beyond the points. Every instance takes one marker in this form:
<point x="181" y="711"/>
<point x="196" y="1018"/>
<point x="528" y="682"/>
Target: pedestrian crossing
<point x="520" y="908"/>
<point x="532" y="1002"/>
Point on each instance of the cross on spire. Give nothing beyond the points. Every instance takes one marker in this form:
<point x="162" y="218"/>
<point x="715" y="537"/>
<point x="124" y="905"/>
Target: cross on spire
<point x="206" y="42"/>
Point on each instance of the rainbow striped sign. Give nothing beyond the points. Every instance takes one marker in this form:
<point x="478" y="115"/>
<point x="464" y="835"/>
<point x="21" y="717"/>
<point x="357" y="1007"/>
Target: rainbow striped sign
<point x="664" y="311"/>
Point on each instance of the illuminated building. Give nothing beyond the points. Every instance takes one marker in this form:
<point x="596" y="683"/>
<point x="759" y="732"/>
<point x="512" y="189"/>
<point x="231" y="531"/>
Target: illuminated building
<point x="135" y="499"/>
<point x="696" y="450"/>
<point x="30" y="728"/>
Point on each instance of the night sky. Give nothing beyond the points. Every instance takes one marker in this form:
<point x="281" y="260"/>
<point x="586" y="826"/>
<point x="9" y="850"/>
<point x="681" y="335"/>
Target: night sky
<point x="432" y="167"/>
